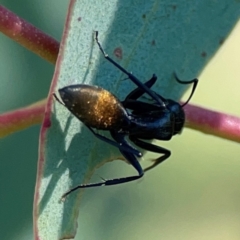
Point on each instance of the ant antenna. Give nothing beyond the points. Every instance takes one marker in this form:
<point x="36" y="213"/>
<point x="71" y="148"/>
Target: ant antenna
<point x="195" y="83"/>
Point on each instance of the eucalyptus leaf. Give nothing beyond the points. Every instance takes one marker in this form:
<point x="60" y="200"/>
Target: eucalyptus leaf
<point x="145" y="37"/>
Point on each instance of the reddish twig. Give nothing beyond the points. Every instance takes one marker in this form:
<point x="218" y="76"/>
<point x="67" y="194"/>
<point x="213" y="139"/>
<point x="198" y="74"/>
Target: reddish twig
<point x="22" y="118"/>
<point x="212" y="122"/>
<point x="28" y="36"/>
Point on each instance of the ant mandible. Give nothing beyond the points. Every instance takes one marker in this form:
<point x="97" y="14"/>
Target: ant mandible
<point x="97" y="108"/>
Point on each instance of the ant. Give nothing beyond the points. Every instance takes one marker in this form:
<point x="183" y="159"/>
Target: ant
<point x="97" y="108"/>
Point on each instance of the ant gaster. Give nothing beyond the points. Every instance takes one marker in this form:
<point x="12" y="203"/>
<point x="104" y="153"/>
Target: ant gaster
<point x="97" y="108"/>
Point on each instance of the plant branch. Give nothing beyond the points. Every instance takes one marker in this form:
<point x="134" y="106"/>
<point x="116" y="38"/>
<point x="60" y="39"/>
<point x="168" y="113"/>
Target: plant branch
<point x="22" y="118"/>
<point x="211" y="122"/>
<point x="28" y="36"/>
<point x="201" y="119"/>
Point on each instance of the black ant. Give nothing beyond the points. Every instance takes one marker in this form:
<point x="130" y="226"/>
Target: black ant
<point x="97" y="108"/>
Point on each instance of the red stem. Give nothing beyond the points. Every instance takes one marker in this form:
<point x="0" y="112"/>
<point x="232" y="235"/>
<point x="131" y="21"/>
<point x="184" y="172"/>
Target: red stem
<point x="22" y="118"/>
<point x="212" y="122"/>
<point x="28" y="36"/>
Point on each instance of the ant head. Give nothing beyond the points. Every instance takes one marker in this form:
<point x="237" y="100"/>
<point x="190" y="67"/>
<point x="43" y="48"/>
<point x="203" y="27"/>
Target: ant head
<point x="179" y="116"/>
<point x="176" y="109"/>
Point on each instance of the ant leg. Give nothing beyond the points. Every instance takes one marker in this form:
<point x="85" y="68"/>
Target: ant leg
<point x="131" y="158"/>
<point x="152" y="148"/>
<point x="126" y="147"/>
<point x="195" y="83"/>
<point x="140" y="107"/>
<point x="130" y="75"/>
<point x="132" y="103"/>
<point x="138" y="92"/>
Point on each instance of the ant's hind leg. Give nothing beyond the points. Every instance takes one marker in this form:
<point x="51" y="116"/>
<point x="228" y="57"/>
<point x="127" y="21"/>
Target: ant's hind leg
<point x="126" y="148"/>
<point x="130" y="158"/>
<point x="152" y="148"/>
<point x="134" y="79"/>
<point x="138" y="92"/>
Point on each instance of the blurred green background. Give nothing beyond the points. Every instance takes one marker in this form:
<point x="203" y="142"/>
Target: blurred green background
<point x="193" y="195"/>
